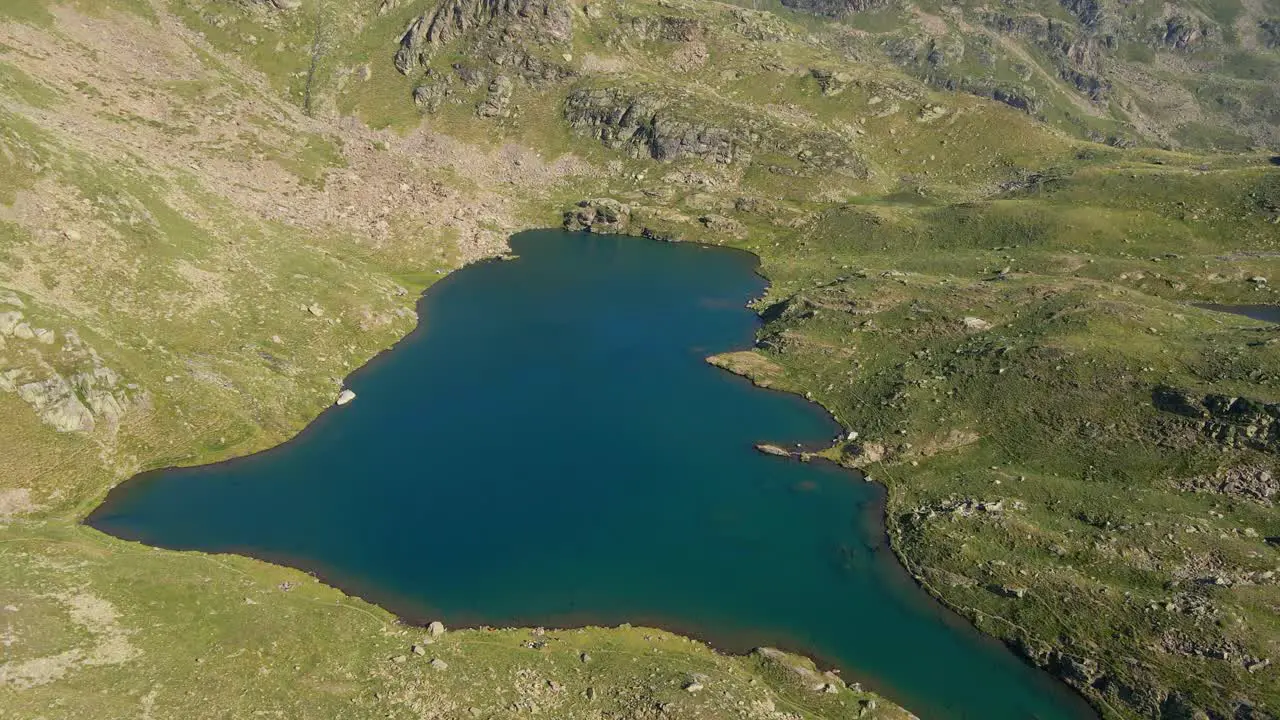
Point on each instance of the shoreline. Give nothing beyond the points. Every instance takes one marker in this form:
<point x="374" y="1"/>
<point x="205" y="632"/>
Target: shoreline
<point x="873" y="526"/>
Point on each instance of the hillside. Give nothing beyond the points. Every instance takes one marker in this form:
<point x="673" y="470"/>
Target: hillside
<point x="986" y="232"/>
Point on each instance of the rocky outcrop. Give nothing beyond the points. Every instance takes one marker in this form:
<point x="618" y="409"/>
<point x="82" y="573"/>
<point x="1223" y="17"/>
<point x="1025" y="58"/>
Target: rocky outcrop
<point x="831" y="82"/>
<point x="835" y="8"/>
<point x="1249" y="482"/>
<point x="600" y="215"/>
<point x="278" y="5"/>
<point x="656" y="123"/>
<point x="497" y="98"/>
<point x="1269" y="33"/>
<point x="79" y="399"/>
<point x="666" y="28"/>
<point x="1234" y="422"/>
<point x="1088" y="12"/>
<point x="431" y="92"/>
<point x="56" y="402"/>
<point x="645" y="127"/>
<point x="1182" y="32"/>
<point x="506" y="22"/>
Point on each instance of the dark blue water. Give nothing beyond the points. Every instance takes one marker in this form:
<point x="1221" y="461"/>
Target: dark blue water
<point x="1265" y="313"/>
<point x="550" y="448"/>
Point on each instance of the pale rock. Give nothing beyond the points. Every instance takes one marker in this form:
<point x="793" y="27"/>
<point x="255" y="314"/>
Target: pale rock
<point x="23" y="331"/>
<point x="973" y="323"/>
<point x="104" y="405"/>
<point x="345" y="397"/>
<point x="435" y="629"/>
<point x="57" y="404"/>
<point x="9" y="321"/>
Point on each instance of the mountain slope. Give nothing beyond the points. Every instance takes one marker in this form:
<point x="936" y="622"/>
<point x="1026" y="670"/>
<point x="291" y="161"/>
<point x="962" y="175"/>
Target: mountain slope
<point x="211" y="211"/>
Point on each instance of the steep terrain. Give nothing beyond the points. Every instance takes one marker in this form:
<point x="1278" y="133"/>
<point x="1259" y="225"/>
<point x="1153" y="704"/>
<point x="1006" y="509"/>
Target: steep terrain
<point x="985" y="228"/>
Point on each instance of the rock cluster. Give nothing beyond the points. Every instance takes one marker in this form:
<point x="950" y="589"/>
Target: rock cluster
<point x="1249" y="482"/>
<point x="507" y="23"/>
<point x="1233" y="422"/>
<point x="644" y="126"/>
<point x="69" y="401"/>
<point x="600" y="215"/>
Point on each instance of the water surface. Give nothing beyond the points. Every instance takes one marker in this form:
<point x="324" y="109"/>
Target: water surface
<point x="550" y="448"/>
<point x="1265" y="313"/>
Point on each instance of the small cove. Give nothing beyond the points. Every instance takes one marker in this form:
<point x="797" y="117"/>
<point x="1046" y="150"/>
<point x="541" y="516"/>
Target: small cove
<point x="549" y="448"/>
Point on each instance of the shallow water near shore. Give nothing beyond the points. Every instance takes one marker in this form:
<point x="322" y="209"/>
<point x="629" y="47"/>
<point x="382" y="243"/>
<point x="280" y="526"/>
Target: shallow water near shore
<point x="550" y="448"/>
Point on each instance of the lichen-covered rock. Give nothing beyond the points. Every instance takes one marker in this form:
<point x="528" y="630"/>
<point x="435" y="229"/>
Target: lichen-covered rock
<point x="431" y="92"/>
<point x="1233" y="422"/>
<point x="835" y="8"/>
<point x="1183" y="32"/>
<point x="508" y="22"/>
<point x="643" y="126"/>
<point x="600" y="215"/>
<point x="56" y="402"/>
<point x="496" y="99"/>
<point x="666" y="28"/>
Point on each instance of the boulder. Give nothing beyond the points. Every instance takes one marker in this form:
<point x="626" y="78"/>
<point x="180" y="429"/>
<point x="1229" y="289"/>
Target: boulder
<point x="345" y="397"/>
<point x="435" y="629"/>
<point x="57" y="404"/>
<point x="431" y="93"/>
<point x="977" y="324"/>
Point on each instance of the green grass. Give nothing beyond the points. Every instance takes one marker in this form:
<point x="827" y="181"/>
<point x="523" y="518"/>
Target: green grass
<point x="185" y="279"/>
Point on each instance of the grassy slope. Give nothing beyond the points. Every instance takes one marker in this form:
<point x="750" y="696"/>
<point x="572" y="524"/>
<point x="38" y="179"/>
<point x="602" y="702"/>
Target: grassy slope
<point x="1092" y="315"/>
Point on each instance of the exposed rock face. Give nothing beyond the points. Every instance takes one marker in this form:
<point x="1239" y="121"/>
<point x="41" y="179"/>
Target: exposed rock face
<point x="1181" y="32"/>
<point x="667" y="28"/>
<point x="57" y="404"/>
<point x="831" y="82"/>
<point x="1234" y="422"/>
<point x="429" y="95"/>
<point x="642" y="126"/>
<point x="538" y="21"/>
<point x="835" y="8"/>
<point x="599" y="215"/>
<point x="76" y="401"/>
<point x="1269" y="30"/>
<point x="498" y="98"/>
<point x="281" y="5"/>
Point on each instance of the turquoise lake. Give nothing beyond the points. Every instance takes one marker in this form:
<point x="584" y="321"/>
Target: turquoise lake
<point x="550" y="448"/>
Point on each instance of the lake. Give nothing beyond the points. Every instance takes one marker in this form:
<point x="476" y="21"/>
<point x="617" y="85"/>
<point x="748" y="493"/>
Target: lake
<point x="550" y="448"/>
<point x="1265" y="313"/>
